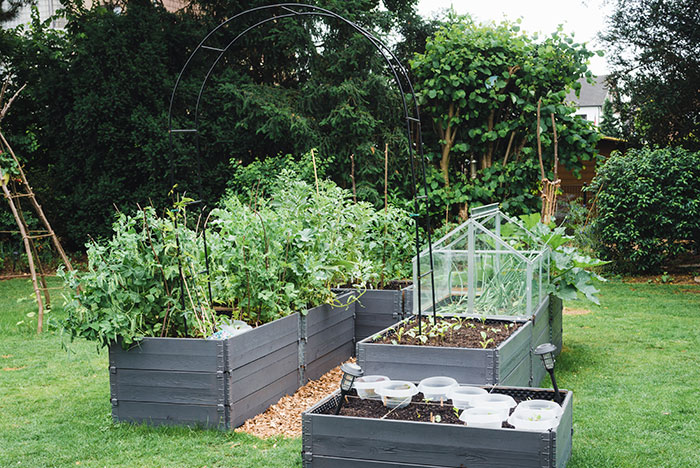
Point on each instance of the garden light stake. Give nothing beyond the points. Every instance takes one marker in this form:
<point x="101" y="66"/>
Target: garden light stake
<point x="546" y="352"/>
<point x="350" y="372"/>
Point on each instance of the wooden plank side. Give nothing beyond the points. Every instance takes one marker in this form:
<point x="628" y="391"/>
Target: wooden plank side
<point x="255" y="375"/>
<point x="467" y="366"/>
<point x="261" y="341"/>
<point x="323" y="364"/>
<point x="324" y="317"/>
<point x="194" y="388"/>
<point x="520" y="375"/>
<point x="556" y="323"/>
<point x="564" y="433"/>
<point x="179" y="354"/>
<point x="158" y="414"/>
<point x="514" y="349"/>
<point x="258" y="401"/>
<point x="378" y="301"/>
<point x="335" y="462"/>
<point x="423" y="443"/>
<point x="407" y="301"/>
<point x="329" y="339"/>
<point x="363" y="332"/>
<point x="538" y="370"/>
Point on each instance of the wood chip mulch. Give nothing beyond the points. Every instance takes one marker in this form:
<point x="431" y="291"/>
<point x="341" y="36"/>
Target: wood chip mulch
<point x="284" y="417"/>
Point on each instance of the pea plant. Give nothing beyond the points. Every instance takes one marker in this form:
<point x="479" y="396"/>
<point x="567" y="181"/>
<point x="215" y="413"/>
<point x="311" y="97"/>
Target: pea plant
<point x="268" y="257"/>
<point x="139" y="283"/>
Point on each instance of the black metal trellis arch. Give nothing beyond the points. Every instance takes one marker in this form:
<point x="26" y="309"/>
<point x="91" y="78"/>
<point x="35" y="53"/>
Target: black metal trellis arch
<point x="399" y="72"/>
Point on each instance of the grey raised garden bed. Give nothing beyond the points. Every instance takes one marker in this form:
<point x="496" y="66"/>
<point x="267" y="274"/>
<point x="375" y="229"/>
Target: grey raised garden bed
<point x="511" y="363"/>
<point x="331" y="441"/>
<point x="555" y="318"/>
<point x="221" y="383"/>
<point x="378" y="309"/>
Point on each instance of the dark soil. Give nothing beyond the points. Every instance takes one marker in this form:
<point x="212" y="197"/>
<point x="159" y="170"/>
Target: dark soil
<point x="418" y="410"/>
<point x="467" y="336"/>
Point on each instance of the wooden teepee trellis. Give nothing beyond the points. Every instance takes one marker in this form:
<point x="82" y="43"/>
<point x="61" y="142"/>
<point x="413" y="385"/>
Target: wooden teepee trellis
<point x="15" y="192"/>
<point x="550" y="188"/>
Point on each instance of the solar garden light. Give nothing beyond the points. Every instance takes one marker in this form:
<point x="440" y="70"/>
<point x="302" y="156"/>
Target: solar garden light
<point x="546" y="352"/>
<point x="350" y="372"/>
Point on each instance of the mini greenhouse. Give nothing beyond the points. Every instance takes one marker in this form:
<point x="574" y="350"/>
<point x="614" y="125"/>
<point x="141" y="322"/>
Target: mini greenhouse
<point x="490" y="265"/>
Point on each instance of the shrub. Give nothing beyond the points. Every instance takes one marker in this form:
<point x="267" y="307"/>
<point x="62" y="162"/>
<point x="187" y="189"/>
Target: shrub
<point x="648" y="207"/>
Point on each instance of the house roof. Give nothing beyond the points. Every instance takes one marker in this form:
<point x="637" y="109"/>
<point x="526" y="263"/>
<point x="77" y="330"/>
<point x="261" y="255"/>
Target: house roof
<point x="591" y="95"/>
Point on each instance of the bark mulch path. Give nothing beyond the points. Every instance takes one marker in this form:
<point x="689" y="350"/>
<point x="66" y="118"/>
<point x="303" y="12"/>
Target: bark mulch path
<point x="568" y="311"/>
<point x="284" y="417"/>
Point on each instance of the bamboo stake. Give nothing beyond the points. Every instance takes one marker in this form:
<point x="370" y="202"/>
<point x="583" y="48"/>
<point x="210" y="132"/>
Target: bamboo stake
<point x="313" y="160"/>
<point x="352" y="178"/>
<point x="539" y="143"/>
<point x="556" y="145"/>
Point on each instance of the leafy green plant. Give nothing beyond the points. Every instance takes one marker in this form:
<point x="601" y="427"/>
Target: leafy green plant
<point x="648" y="211"/>
<point x="571" y="271"/>
<point x="268" y="257"/>
<point x="485" y="340"/>
<point x="142" y="282"/>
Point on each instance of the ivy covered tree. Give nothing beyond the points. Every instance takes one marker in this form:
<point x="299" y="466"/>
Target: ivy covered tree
<point x="480" y="84"/>
<point x="654" y="49"/>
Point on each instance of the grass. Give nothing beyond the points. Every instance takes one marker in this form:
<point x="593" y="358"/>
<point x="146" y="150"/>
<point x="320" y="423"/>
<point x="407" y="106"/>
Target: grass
<point x="631" y="362"/>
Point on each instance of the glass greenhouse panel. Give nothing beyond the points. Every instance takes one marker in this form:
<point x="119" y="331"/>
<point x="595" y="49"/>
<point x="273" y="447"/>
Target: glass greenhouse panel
<point x="491" y="265"/>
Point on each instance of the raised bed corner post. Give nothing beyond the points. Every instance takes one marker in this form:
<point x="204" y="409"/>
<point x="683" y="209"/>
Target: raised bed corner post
<point x="299" y="10"/>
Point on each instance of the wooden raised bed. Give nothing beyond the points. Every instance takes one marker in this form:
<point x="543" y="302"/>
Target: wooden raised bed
<point x="378" y="309"/>
<point x="331" y="441"/>
<point x="556" y="324"/>
<point x="221" y="383"/>
<point x="511" y="363"/>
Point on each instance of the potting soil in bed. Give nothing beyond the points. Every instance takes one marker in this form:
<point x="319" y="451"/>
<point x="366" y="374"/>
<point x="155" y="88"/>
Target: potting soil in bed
<point x="467" y="334"/>
<point x="418" y="410"/>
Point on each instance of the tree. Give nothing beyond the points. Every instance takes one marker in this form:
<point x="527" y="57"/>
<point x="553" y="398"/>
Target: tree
<point x="10" y="10"/>
<point x="654" y="48"/>
<point x="480" y="85"/>
<point x="92" y="123"/>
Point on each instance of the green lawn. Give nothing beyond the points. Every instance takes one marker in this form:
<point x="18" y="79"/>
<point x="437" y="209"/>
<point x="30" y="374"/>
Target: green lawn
<point x="632" y="364"/>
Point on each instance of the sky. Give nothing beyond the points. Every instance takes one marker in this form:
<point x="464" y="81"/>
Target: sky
<point x="583" y="18"/>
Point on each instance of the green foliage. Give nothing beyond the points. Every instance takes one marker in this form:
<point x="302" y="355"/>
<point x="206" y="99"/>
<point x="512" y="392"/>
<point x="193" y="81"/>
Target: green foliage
<point x="648" y="207"/>
<point x="654" y="49"/>
<point x="268" y="257"/>
<point x="257" y="179"/>
<point x="610" y="124"/>
<point x="479" y="84"/>
<point x="133" y="286"/>
<point x="570" y="270"/>
<point x="290" y="249"/>
<point x="513" y="184"/>
<point x="92" y="121"/>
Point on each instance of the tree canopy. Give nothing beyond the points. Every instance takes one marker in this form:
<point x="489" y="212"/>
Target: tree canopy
<point x="480" y="85"/>
<point x="654" y="47"/>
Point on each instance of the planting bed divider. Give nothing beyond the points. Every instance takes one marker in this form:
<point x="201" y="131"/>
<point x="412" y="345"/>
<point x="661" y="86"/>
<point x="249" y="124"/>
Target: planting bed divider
<point x="511" y="363"/>
<point x="221" y="383"/>
<point x="331" y="441"/>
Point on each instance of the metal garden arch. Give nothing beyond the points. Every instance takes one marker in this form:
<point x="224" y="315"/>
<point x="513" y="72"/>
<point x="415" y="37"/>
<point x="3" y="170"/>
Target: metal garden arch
<point x="297" y="10"/>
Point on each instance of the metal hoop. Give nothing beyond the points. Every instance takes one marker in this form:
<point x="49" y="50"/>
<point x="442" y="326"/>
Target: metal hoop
<point x="298" y="10"/>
